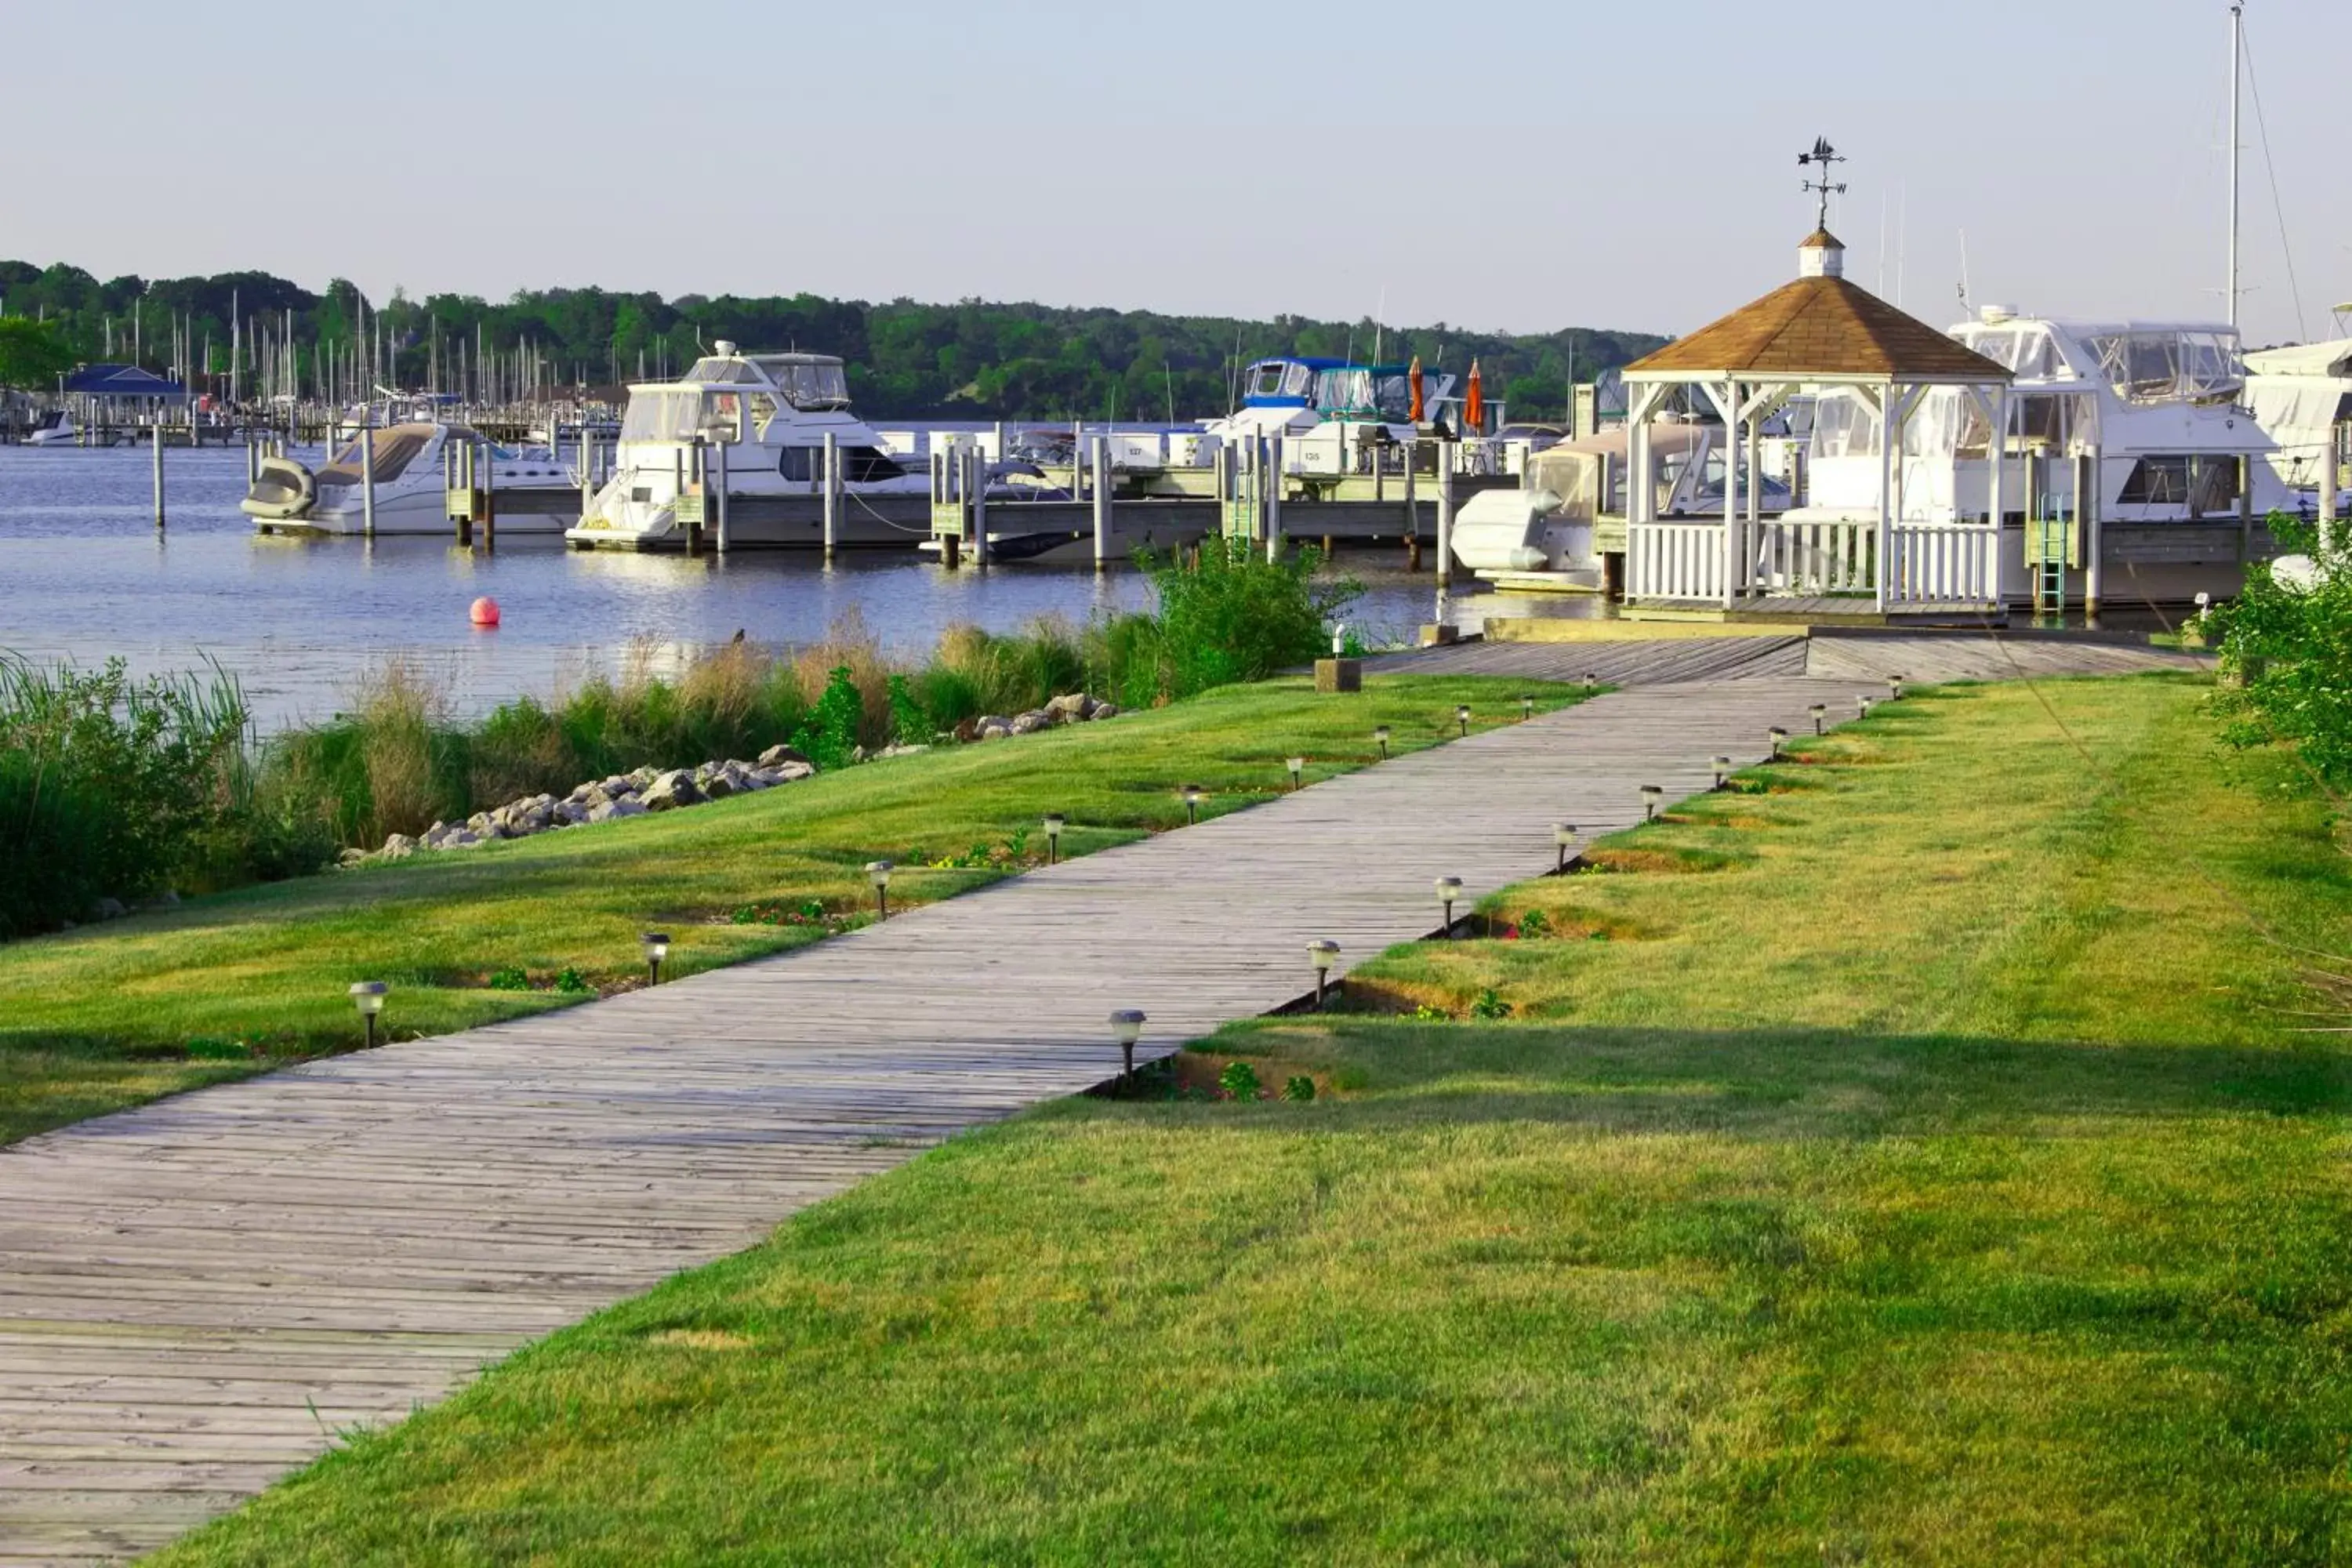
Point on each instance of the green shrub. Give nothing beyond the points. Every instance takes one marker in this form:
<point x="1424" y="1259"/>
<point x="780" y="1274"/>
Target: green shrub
<point x="1299" y="1088"/>
<point x="1490" y="1005"/>
<point x="830" y="732"/>
<point x="1239" y="1079"/>
<point x="1234" y="615"/>
<point x="509" y="980"/>
<point x="2288" y="654"/>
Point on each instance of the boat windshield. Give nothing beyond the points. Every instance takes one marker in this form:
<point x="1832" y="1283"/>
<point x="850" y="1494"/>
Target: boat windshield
<point x="2028" y="351"/>
<point x="809" y="383"/>
<point x="725" y="371"/>
<point x="1276" y="380"/>
<point x="2163" y="365"/>
<point x="395" y="448"/>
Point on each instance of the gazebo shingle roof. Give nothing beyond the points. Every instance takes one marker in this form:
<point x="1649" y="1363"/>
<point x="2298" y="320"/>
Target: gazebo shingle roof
<point x="1821" y="327"/>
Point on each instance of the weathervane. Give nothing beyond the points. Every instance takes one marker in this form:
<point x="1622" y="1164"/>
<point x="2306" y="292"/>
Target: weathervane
<point x="1823" y="154"/>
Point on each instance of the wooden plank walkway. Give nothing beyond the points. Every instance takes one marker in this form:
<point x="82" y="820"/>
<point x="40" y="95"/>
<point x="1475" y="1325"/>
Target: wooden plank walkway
<point x="196" y="1294"/>
<point x="1865" y="657"/>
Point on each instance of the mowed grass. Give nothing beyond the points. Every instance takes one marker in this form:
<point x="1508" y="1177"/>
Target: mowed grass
<point x="1923" y="1168"/>
<point x="95" y="1019"/>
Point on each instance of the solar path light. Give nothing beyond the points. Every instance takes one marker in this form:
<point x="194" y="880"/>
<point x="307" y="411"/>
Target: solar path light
<point x="1298" y="765"/>
<point x="1380" y="736"/>
<point x="1527" y="708"/>
<point x="1776" y="735"/>
<point x="1449" y="893"/>
<point x="1722" y="770"/>
<point x="1053" y="836"/>
<point x="368" y="997"/>
<point x="1461" y="717"/>
<point x="1563" y="838"/>
<point x="1323" y="952"/>
<point x="1860" y="706"/>
<point x="657" y="948"/>
<point x="1650" y="795"/>
<point x="1127" y="1027"/>
<point x="1821" y="712"/>
<point x="1895" y="688"/>
<point x="879" y="873"/>
<point x="1192" y="793"/>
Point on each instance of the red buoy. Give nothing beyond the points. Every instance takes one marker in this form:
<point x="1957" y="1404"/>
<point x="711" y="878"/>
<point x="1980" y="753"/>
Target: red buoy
<point x="486" y="612"/>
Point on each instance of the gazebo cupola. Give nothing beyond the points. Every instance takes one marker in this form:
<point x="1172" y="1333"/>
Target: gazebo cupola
<point x="1822" y="337"/>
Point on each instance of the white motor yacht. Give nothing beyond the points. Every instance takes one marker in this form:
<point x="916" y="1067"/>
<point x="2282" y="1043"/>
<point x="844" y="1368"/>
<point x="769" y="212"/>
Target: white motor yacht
<point x="289" y="497"/>
<point x="2302" y="396"/>
<point x="759" y="419"/>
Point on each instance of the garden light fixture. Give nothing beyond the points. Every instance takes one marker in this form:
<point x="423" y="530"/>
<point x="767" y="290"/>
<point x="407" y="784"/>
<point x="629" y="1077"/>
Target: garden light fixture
<point x="656" y="946"/>
<point x="1722" y="771"/>
<point x="1527" y="708"/>
<point x="1192" y="793"/>
<point x="1127" y="1027"/>
<point x="1461" y="717"/>
<point x="879" y="873"/>
<point x="367" y="995"/>
<point x="1323" y="952"/>
<point x="1650" y="795"/>
<point x="1298" y="765"/>
<point x="1861" y="707"/>
<point x="1380" y="736"/>
<point x="1895" y="688"/>
<point x="1449" y="893"/>
<point x="1052" y="836"/>
<point x="1563" y="837"/>
<point x="1821" y="712"/>
<point x="1776" y="735"/>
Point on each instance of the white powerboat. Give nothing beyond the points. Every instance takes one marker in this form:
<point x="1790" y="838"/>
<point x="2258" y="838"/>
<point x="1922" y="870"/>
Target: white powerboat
<point x="2302" y="396"/>
<point x="761" y="421"/>
<point x="411" y="498"/>
<point x="54" y="427"/>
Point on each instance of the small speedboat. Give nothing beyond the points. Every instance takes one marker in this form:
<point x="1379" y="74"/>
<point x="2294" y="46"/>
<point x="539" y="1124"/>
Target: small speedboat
<point x="55" y="427"/>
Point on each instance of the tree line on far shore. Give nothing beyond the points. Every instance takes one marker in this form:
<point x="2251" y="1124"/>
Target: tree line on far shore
<point x="972" y="359"/>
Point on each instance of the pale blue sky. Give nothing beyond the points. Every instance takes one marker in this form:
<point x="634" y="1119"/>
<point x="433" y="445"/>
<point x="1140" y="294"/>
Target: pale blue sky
<point x="1511" y="165"/>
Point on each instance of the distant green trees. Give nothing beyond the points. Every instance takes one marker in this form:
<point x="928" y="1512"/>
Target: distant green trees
<point x="972" y="359"/>
<point x="33" y="354"/>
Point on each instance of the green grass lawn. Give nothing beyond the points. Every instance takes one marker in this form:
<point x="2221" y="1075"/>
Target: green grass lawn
<point x="95" y="1019"/>
<point x="1909" y="1159"/>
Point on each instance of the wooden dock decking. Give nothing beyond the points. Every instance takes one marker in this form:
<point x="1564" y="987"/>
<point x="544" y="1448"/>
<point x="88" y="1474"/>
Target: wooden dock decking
<point x="195" y="1295"/>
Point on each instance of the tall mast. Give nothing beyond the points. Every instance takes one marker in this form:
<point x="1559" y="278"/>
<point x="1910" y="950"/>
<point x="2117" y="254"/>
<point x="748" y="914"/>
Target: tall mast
<point x="2237" y="71"/>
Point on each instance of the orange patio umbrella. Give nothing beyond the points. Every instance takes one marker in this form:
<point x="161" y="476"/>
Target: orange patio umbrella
<point x="1412" y="379"/>
<point x="1474" y="404"/>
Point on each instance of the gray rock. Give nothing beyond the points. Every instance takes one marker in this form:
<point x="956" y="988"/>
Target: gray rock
<point x="1105" y="710"/>
<point x="717" y="785"/>
<point x="994" y="732"/>
<point x="1072" y="706"/>
<point x="167" y="900"/>
<point x="672" y="789"/>
<point x="1030" y="723"/>
<point x="399" y="846"/>
<point x="463" y="838"/>
<point x="793" y="772"/>
<point x="112" y="909"/>
<point x="777" y="756"/>
<point x="347" y="858"/>
<point x="570" y="812"/>
<point x="612" y="809"/>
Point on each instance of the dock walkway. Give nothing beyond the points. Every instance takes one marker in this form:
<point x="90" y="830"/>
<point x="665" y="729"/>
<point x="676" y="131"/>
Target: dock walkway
<point x="197" y="1295"/>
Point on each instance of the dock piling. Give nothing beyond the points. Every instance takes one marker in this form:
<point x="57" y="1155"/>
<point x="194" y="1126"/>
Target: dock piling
<point x="1445" y="461"/>
<point x="367" y="472"/>
<point x="832" y="495"/>
<point x="1270" y="496"/>
<point x="1102" y="456"/>
<point x="157" y="431"/>
<point x="721" y="449"/>
<point x="977" y="509"/>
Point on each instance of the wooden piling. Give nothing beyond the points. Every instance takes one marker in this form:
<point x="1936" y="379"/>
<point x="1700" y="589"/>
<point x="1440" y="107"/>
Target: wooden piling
<point x="1101" y="500"/>
<point x="158" y="432"/>
<point x="832" y="495"/>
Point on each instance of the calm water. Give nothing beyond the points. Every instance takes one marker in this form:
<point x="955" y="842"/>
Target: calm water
<point x="84" y="575"/>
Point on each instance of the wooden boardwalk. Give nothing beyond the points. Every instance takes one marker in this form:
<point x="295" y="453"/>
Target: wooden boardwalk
<point x="1866" y="658"/>
<point x="195" y="1295"/>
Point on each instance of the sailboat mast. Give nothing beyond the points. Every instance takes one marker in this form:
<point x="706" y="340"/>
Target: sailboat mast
<point x="2237" y="72"/>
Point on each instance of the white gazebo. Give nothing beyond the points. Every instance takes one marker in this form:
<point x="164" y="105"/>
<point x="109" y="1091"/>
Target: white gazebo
<point x="1823" y="337"/>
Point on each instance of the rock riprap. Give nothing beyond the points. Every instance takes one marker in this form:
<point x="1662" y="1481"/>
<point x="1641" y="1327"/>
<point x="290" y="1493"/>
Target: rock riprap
<point x="672" y="789"/>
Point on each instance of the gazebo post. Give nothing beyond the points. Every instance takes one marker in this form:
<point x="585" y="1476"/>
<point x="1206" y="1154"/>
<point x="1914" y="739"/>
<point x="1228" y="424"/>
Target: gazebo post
<point x="1734" y="558"/>
<point x="1997" y="448"/>
<point x="1887" y="437"/>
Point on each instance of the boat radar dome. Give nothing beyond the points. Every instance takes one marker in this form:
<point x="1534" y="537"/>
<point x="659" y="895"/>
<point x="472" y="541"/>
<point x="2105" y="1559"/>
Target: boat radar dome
<point x="723" y="349"/>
